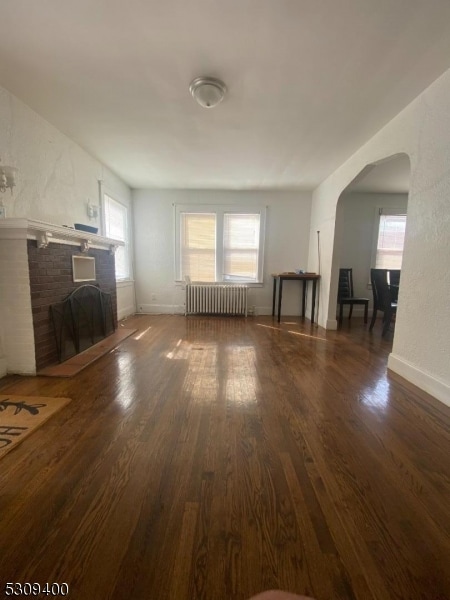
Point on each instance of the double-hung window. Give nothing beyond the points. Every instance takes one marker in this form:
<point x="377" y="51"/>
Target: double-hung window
<point x="390" y="239"/>
<point x="116" y="227"/>
<point x="219" y="243"/>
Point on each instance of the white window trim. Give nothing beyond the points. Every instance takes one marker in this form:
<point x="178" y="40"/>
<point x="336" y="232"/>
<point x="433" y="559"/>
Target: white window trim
<point x="104" y="191"/>
<point x="381" y="210"/>
<point x="219" y="210"/>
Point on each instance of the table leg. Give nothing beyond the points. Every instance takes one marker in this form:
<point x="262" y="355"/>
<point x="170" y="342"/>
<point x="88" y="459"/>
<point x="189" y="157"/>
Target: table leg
<point x="303" y="298"/>
<point x="313" y="303"/>
<point x="274" y="295"/>
<point x="280" y="294"/>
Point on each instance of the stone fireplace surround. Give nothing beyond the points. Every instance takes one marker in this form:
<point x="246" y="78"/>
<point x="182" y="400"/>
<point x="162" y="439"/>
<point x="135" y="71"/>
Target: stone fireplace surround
<point x="35" y="272"/>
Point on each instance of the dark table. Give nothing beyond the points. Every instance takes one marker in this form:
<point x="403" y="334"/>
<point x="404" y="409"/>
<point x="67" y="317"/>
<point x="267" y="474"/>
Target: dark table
<point x="305" y="278"/>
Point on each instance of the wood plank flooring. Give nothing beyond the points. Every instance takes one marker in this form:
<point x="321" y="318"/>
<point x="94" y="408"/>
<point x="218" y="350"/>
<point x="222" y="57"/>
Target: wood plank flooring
<point x="213" y="458"/>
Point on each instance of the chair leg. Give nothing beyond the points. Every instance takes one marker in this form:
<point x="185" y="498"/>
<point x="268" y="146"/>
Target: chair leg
<point x="366" y="311"/>
<point x="387" y="322"/>
<point x="350" y="312"/>
<point x="374" y="318"/>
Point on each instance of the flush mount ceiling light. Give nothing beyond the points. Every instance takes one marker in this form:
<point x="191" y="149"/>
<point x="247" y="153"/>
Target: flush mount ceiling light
<point x="207" y="91"/>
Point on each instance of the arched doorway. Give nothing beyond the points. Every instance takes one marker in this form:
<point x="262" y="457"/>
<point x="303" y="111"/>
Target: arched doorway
<point x="368" y="211"/>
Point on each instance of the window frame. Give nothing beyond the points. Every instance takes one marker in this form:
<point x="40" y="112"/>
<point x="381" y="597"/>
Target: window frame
<point x="220" y="210"/>
<point x="379" y="212"/>
<point x="127" y="245"/>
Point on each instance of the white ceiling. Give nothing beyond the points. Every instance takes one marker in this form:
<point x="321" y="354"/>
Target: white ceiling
<point x="308" y="81"/>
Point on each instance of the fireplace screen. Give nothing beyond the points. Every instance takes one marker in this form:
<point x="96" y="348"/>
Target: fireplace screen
<point x="84" y="318"/>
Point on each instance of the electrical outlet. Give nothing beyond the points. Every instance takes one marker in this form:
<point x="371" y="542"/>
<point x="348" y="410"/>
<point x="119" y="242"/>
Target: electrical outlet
<point x="153" y="297"/>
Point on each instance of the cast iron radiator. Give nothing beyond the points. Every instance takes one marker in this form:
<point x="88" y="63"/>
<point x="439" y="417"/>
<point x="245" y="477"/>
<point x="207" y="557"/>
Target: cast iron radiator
<point x="216" y="299"/>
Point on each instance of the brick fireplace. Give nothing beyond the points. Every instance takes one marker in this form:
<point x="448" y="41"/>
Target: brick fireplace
<point x="36" y="271"/>
<point x="51" y="280"/>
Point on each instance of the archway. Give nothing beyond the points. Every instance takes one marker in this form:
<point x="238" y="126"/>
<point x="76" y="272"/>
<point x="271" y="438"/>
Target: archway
<point x="380" y="188"/>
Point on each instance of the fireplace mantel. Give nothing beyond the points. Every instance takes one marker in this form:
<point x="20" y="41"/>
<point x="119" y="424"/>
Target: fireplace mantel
<point x="46" y="233"/>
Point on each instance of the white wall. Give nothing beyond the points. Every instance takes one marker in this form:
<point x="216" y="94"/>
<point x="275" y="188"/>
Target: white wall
<point x="55" y="178"/>
<point x="360" y="212"/>
<point x="126" y="300"/>
<point x="421" y="349"/>
<point x="287" y="234"/>
<point x="16" y="324"/>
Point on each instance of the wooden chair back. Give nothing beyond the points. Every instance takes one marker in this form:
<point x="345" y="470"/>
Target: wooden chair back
<point x="345" y="288"/>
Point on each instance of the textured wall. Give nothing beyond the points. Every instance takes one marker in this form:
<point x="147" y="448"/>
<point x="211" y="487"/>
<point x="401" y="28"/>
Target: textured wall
<point x="55" y="179"/>
<point x="16" y="325"/>
<point x="421" y="346"/>
<point x="55" y="176"/>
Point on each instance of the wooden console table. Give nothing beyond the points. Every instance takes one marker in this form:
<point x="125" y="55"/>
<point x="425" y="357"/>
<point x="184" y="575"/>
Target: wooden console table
<point x="305" y="278"/>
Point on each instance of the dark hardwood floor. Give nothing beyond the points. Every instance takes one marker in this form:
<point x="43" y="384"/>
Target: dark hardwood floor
<point x="212" y="458"/>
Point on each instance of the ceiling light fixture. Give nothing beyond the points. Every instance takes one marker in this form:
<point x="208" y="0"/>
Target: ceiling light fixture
<point x="208" y="91"/>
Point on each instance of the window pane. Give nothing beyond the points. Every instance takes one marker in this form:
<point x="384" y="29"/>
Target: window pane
<point x="241" y="246"/>
<point x="391" y="238"/>
<point x="198" y="246"/>
<point x="116" y="219"/>
<point x="116" y="228"/>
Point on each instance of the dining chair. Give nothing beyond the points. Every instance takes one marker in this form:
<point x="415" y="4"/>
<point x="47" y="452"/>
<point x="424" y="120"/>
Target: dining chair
<point x="382" y="299"/>
<point x="394" y="282"/>
<point x="346" y="295"/>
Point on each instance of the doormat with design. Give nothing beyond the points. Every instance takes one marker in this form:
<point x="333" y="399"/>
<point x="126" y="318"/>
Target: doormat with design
<point x="21" y="415"/>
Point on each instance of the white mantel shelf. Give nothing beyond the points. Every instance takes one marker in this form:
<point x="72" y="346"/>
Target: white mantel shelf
<point x="46" y="233"/>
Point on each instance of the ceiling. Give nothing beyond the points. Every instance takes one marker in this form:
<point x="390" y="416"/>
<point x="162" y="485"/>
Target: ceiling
<point x="309" y="81"/>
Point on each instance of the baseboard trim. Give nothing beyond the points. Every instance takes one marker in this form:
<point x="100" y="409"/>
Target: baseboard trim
<point x="423" y="380"/>
<point x="24" y="372"/>
<point x="126" y="312"/>
<point x="160" y="309"/>
<point x="3" y="367"/>
<point x="331" y="324"/>
<point x="263" y="311"/>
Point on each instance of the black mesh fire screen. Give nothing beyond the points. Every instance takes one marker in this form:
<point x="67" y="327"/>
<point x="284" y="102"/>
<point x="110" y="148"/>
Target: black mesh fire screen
<point x="81" y="320"/>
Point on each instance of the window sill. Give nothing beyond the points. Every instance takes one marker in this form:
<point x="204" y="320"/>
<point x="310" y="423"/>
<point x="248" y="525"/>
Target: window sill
<point x="250" y="284"/>
<point x="124" y="282"/>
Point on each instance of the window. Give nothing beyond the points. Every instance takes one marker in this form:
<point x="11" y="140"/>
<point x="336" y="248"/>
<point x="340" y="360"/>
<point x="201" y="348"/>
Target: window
<point x="198" y="246"/>
<point x="219" y="244"/>
<point x="240" y="247"/>
<point x="116" y="227"/>
<point x="390" y="239"/>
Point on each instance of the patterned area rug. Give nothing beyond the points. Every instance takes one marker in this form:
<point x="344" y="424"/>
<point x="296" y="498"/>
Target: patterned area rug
<point x="21" y="415"/>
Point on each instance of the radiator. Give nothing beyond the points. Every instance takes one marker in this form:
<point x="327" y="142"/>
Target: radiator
<point x="204" y="299"/>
